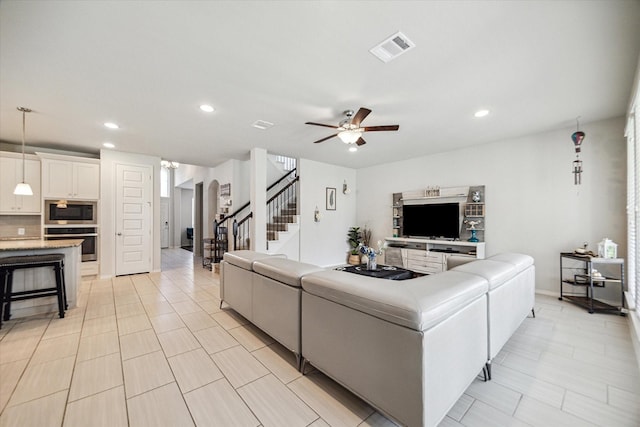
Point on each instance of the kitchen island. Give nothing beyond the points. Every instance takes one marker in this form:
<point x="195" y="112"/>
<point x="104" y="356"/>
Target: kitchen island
<point x="35" y="278"/>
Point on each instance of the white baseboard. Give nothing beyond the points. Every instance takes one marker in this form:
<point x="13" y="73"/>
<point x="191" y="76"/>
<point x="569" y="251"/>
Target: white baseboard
<point x="634" y="330"/>
<point x="549" y="293"/>
<point x="634" y="326"/>
<point x="557" y="295"/>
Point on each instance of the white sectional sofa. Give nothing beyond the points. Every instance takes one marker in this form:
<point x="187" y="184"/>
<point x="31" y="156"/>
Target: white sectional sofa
<point x="510" y="298"/>
<point x="266" y="289"/>
<point x="410" y="348"/>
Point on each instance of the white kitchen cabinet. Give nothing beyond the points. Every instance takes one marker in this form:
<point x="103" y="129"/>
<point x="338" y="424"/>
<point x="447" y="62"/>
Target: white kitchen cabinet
<point x="65" y="179"/>
<point x="10" y="175"/>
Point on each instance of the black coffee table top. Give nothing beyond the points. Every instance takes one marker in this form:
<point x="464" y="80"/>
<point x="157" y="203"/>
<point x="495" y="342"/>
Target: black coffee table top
<point x="382" y="272"/>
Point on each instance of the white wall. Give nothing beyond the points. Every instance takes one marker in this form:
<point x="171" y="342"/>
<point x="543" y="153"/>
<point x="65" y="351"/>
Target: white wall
<point x="108" y="161"/>
<point x="532" y="205"/>
<point x="325" y="243"/>
<point x="258" y="185"/>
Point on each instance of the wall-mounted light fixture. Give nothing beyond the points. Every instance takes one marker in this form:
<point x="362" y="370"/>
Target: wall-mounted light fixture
<point x="316" y="215"/>
<point x="345" y="188"/>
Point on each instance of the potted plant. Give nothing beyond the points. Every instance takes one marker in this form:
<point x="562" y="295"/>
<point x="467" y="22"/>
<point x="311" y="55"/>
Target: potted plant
<point x="354" y="238"/>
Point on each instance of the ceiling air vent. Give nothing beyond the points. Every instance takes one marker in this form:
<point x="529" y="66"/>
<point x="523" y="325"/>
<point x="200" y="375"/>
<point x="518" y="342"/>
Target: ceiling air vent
<point x="392" y="47"/>
<point x="261" y="124"/>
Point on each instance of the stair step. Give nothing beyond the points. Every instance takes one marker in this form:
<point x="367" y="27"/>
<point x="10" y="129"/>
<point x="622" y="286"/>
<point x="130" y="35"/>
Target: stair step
<point x="284" y="219"/>
<point x="280" y="226"/>
<point x="288" y="211"/>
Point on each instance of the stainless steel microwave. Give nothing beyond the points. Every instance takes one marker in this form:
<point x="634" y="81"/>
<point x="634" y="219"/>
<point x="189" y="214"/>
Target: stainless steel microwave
<point x="70" y="212"/>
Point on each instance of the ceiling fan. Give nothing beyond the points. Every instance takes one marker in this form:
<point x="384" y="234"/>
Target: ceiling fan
<point x="349" y="129"/>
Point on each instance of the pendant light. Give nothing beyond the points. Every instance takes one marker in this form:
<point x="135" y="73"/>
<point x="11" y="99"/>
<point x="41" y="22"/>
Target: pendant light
<point x="23" y="189"/>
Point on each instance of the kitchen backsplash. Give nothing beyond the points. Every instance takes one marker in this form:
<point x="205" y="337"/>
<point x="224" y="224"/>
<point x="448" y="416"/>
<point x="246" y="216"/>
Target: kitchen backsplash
<point x="9" y="225"/>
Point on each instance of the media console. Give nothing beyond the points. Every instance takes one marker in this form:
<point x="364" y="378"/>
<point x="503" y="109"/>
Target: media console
<point x="428" y="256"/>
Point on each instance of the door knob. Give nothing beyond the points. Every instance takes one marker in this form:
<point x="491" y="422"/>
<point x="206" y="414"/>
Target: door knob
<point x="119" y="234"/>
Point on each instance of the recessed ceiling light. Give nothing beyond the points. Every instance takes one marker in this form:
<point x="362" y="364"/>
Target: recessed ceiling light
<point x="481" y="113"/>
<point x="353" y="149"/>
<point x="207" y="108"/>
<point x="109" y="145"/>
<point x="111" y="125"/>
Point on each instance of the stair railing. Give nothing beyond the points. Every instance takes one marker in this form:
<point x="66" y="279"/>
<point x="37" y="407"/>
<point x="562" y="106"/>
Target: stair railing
<point x="280" y="206"/>
<point x="241" y="233"/>
<point x="229" y="228"/>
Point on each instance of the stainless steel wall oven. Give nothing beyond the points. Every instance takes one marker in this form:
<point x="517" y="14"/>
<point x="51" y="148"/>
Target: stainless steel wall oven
<point x="89" y="234"/>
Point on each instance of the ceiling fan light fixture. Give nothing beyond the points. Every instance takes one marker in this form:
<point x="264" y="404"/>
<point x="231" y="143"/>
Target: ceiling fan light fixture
<point x="349" y="136"/>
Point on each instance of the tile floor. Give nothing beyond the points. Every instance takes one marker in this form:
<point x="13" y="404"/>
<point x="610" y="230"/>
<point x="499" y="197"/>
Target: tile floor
<point x="156" y="350"/>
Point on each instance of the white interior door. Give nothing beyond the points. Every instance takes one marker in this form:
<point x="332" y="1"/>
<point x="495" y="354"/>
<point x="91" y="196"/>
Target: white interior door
<point x="133" y="218"/>
<point x="164" y="222"/>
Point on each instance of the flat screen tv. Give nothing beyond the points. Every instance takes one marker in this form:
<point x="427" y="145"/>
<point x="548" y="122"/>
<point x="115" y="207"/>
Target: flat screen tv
<point x="435" y="220"/>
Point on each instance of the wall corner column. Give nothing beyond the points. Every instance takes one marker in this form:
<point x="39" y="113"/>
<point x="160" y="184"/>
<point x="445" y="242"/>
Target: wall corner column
<point x="258" y="199"/>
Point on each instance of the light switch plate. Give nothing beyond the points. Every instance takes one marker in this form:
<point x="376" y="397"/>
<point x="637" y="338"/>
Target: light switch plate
<point x="20" y="231"/>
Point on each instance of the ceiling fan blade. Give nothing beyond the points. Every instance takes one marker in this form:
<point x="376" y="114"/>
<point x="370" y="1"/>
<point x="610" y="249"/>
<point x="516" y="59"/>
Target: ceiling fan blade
<point x="321" y="124"/>
<point x="360" y="116"/>
<point x="324" y="139"/>
<point x="378" y="128"/>
<point x="360" y="141"/>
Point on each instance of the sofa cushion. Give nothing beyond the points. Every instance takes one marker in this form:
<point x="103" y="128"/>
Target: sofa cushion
<point x="244" y="258"/>
<point x="284" y="270"/>
<point x="521" y="261"/>
<point x="495" y="272"/>
<point x="418" y="303"/>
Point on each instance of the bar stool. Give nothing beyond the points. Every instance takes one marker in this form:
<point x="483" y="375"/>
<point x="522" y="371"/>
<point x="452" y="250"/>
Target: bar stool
<point x="9" y="264"/>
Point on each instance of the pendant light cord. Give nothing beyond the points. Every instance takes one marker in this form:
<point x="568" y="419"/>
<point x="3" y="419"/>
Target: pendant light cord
<point x="23" y="160"/>
<point x="24" y="111"/>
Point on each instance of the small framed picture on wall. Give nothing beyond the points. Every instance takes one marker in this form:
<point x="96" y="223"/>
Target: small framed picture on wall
<point x="331" y="199"/>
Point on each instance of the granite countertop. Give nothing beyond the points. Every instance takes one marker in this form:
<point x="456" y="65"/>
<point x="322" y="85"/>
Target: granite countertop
<point x="18" y="245"/>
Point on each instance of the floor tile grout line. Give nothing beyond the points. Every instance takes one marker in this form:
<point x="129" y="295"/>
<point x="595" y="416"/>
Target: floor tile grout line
<point x="124" y="387"/>
<point x="6" y="406"/>
<point x="68" y="389"/>
<point x="175" y="380"/>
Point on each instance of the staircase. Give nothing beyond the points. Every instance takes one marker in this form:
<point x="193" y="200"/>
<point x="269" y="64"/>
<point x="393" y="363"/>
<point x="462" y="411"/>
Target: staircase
<point x="282" y="227"/>
<point x="282" y="218"/>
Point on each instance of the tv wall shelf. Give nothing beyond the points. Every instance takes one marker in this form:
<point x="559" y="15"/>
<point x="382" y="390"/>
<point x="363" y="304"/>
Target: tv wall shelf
<point x="426" y="255"/>
<point x="471" y="200"/>
<point x="474" y="210"/>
